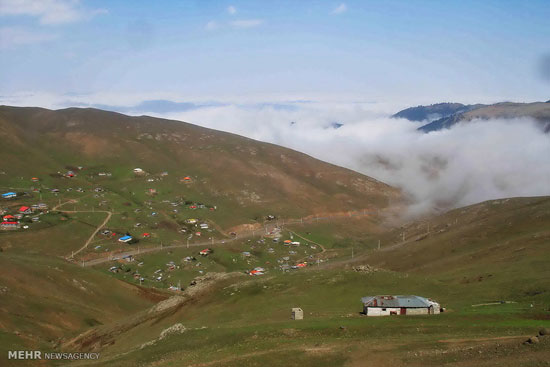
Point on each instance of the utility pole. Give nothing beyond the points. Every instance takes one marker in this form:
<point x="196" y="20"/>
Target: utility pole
<point x="352" y="251"/>
<point x="187" y="242"/>
<point x="403" y="234"/>
<point x="379" y="245"/>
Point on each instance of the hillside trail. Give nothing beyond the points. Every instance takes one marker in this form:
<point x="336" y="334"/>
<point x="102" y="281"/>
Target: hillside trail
<point x="366" y="256"/>
<point x="91" y="238"/>
<point x="308" y="240"/>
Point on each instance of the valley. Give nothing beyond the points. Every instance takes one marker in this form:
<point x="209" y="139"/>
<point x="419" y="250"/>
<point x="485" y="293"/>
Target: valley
<point x="159" y="243"/>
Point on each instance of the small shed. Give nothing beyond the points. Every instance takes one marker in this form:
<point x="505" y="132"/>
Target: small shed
<point x="297" y="313"/>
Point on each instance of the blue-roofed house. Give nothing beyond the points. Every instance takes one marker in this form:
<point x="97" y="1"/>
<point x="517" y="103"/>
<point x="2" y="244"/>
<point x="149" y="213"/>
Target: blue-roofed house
<point x="125" y="239"/>
<point x="399" y="305"/>
<point x="9" y="195"/>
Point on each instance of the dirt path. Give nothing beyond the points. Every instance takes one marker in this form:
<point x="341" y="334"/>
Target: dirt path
<point x="242" y="235"/>
<point x="90" y="239"/>
<point x="364" y="257"/>
<point x="308" y="240"/>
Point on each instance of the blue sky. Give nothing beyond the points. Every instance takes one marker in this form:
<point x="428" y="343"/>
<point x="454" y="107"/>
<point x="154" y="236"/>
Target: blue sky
<point x="417" y="51"/>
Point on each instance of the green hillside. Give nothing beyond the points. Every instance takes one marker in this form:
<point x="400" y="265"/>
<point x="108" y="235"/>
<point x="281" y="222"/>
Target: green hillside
<point x="320" y="237"/>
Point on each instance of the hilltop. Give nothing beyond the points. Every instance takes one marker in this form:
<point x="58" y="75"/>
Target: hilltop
<point x="445" y="115"/>
<point x="250" y="178"/>
<point x="433" y="112"/>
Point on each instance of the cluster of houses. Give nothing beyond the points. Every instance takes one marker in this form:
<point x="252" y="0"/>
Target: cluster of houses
<point x="12" y="221"/>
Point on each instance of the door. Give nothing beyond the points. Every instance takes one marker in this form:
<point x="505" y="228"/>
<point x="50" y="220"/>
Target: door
<point x="403" y="311"/>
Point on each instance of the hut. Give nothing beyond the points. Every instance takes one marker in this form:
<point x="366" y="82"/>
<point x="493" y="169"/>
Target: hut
<point x="297" y="313"/>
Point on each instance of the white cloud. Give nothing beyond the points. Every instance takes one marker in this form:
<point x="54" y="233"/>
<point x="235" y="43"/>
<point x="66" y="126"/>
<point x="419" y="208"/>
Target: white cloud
<point x="231" y="10"/>
<point x="211" y="25"/>
<point x="342" y="8"/>
<point x="49" y="12"/>
<point x="246" y="23"/>
<point x="15" y="36"/>
<point x="467" y="164"/>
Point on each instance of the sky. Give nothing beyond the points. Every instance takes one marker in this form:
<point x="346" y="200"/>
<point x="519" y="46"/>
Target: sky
<point x="289" y="72"/>
<point x="54" y="52"/>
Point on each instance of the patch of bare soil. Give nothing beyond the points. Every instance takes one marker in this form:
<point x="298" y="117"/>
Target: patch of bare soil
<point x="99" y="337"/>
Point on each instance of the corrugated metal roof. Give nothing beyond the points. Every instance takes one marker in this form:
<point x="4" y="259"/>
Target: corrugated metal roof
<point x="396" y="301"/>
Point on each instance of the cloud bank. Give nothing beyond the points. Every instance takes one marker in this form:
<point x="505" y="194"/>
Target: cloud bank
<point x="467" y="164"/>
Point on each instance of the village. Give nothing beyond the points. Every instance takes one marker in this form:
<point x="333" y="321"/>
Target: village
<point x="156" y="221"/>
<point x="142" y="248"/>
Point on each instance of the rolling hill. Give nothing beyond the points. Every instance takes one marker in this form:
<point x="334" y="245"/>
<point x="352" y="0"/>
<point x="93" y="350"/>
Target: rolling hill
<point x="247" y="177"/>
<point x="450" y="114"/>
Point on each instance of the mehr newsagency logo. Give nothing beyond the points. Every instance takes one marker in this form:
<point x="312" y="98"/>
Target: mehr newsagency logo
<point x="37" y="354"/>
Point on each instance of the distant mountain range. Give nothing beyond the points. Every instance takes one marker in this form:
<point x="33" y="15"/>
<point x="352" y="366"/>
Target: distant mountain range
<point x="444" y="115"/>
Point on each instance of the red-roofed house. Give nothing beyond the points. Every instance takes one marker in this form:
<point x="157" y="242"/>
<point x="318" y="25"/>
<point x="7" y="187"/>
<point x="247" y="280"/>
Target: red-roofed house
<point x="9" y="225"/>
<point x="8" y="218"/>
<point x="25" y="210"/>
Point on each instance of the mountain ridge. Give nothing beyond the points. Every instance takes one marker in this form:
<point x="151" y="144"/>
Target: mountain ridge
<point x="457" y="113"/>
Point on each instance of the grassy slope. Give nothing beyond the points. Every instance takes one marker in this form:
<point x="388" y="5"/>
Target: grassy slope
<point x="248" y="324"/>
<point x="235" y="173"/>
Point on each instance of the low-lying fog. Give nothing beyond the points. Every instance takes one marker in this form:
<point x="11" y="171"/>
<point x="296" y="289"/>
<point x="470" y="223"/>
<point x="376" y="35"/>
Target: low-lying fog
<point x="467" y="164"/>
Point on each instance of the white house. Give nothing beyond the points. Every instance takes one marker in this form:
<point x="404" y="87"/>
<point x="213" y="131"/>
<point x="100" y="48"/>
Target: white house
<point x="399" y="305"/>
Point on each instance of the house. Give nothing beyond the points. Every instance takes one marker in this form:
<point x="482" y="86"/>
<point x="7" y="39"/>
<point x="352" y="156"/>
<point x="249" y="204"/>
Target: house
<point x="191" y="221"/>
<point x="146" y="234"/>
<point x="138" y="171"/>
<point x="9" y="195"/>
<point x="25" y="210"/>
<point x="287" y="242"/>
<point x="8" y="218"/>
<point x="9" y="225"/>
<point x="70" y="174"/>
<point x="204" y="225"/>
<point x="34" y="179"/>
<point x="399" y="305"/>
<point x="125" y="239"/>
<point x="206" y="252"/>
